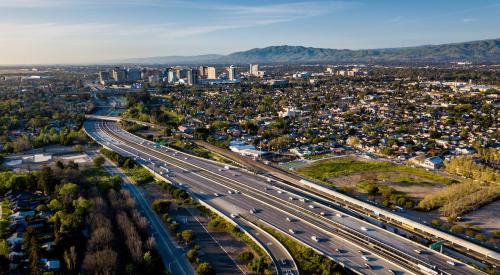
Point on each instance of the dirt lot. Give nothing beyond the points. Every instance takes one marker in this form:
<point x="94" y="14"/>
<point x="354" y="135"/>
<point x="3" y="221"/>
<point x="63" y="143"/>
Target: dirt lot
<point x="485" y="217"/>
<point x="404" y="182"/>
<point x="220" y="249"/>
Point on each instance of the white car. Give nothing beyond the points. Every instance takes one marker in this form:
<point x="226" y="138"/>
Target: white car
<point x="234" y="215"/>
<point x="229" y="191"/>
<point x="314" y="238"/>
<point x="311" y="206"/>
<point x="322" y="213"/>
<point x="216" y="194"/>
<point x="291" y="231"/>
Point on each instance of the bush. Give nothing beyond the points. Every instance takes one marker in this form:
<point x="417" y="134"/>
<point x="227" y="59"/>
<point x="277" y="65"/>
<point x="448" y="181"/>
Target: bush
<point x="192" y="254"/>
<point x="436" y="223"/>
<point x="246" y="256"/>
<point x="457" y="229"/>
<point x="480" y="237"/>
<point x="174" y="227"/>
<point x="188" y="235"/>
<point x="205" y="269"/>
<point x="98" y="162"/>
<point x="161" y="206"/>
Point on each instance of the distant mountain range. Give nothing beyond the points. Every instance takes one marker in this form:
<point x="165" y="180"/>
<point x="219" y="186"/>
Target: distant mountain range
<point x="486" y="51"/>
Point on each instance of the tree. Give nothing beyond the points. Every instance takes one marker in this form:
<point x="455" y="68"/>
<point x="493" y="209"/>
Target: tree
<point x="352" y="141"/>
<point x="78" y="148"/>
<point x="188" y="235"/>
<point x="70" y="258"/>
<point x="68" y="192"/>
<point x="161" y="206"/>
<point x="32" y="247"/>
<point x="98" y="162"/>
<point x="246" y="256"/>
<point x="47" y="180"/>
<point x="192" y="254"/>
<point x="205" y="269"/>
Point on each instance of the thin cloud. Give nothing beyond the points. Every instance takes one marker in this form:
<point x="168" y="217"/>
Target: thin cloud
<point x="469" y="20"/>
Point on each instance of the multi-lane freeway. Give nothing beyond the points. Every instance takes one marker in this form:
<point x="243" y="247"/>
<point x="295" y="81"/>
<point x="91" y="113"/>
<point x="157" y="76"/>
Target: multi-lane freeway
<point x="239" y="194"/>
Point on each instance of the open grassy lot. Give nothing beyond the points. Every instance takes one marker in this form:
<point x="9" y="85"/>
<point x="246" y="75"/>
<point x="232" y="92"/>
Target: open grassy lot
<point x="362" y="176"/>
<point x="324" y="170"/>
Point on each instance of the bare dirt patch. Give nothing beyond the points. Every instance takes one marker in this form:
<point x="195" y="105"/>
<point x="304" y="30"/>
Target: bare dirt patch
<point x="407" y="183"/>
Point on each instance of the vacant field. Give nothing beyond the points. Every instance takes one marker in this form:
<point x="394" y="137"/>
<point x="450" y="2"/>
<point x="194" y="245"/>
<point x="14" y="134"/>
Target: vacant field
<point x="348" y="172"/>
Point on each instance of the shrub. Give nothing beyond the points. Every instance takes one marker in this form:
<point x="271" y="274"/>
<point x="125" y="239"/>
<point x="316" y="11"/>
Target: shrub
<point x="161" y="206"/>
<point x="192" y="254"/>
<point x="174" y="227"/>
<point x="205" y="269"/>
<point x="246" y="256"/>
<point x="436" y="223"/>
<point x="457" y="228"/>
<point x="480" y="237"/>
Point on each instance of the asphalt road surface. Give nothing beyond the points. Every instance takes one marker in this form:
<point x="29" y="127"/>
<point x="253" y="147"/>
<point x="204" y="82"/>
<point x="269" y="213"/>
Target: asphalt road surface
<point x="352" y="242"/>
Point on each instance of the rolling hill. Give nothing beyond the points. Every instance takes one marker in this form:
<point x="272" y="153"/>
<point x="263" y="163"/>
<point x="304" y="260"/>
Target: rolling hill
<point x="485" y="51"/>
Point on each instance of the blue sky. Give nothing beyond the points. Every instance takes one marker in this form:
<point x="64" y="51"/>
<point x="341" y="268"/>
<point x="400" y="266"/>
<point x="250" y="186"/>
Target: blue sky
<point x="85" y="31"/>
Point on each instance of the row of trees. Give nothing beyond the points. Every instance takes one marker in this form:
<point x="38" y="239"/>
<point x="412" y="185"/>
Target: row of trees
<point x="120" y="239"/>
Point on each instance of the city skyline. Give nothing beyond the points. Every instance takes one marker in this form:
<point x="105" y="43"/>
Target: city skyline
<point x="76" y="31"/>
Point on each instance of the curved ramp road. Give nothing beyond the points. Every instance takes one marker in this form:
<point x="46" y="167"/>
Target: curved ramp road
<point x="352" y="242"/>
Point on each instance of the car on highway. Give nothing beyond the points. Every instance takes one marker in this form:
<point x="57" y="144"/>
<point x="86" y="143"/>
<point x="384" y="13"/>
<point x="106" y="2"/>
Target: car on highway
<point x="369" y="266"/>
<point x="291" y="231"/>
<point x="253" y="211"/>
<point x="312" y="206"/>
<point x="315" y="238"/>
<point x="451" y="263"/>
<point x="216" y="194"/>
<point x="234" y="216"/>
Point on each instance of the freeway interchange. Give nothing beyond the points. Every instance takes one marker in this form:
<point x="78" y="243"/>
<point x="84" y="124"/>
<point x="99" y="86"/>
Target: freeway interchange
<point x="248" y="198"/>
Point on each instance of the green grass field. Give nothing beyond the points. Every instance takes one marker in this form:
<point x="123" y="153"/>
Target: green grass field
<point x="323" y="170"/>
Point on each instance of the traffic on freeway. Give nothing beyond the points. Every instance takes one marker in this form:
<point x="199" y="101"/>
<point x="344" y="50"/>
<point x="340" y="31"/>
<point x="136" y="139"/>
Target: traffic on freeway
<point x="352" y="242"/>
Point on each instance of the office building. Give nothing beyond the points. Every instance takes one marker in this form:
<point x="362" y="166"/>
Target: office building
<point x="231" y="73"/>
<point x="172" y="76"/>
<point x="133" y="74"/>
<point x="254" y="70"/>
<point x="192" y="77"/>
<point x="211" y="74"/>
<point x="104" y="77"/>
<point x="119" y="75"/>
<point x="203" y="71"/>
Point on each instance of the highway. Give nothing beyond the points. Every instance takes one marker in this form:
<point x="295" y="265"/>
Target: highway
<point x="340" y="236"/>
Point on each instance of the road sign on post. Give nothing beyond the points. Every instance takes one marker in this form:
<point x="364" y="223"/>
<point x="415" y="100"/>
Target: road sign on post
<point x="437" y="246"/>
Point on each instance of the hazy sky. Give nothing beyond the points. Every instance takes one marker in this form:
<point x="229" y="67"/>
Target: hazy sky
<point x="85" y="31"/>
